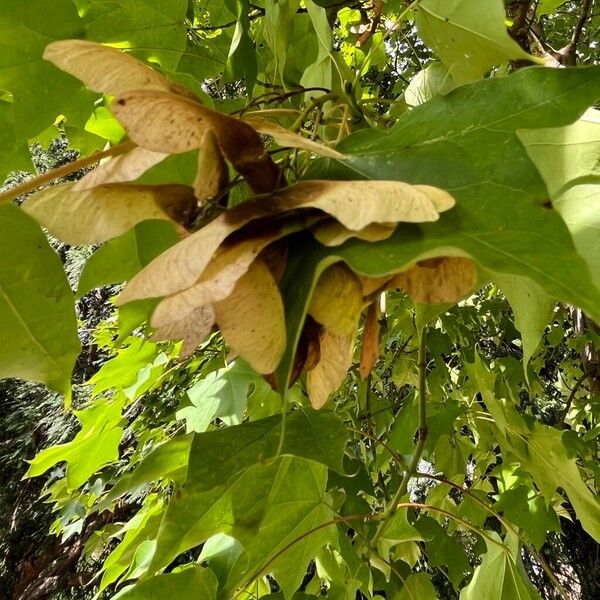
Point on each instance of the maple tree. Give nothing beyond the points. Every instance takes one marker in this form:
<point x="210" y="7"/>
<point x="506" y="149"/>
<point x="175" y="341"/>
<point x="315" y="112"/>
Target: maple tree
<point x="310" y="237"/>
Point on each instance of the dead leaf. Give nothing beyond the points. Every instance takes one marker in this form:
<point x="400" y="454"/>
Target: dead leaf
<point x="212" y="176"/>
<point x="252" y="319"/>
<point x="330" y="371"/>
<point x="168" y="123"/>
<point x="372" y="285"/>
<point x="106" y="70"/>
<point x="181" y="266"/>
<point x="332" y="233"/>
<point x="193" y="329"/>
<point x="438" y="281"/>
<point x="369" y="351"/>
<point x="288" y="139"/>
<point x="337" y="300"/>
<point x="120" y="169"/>
<point x="357" y="204"/>
<point x="219" y="279"/>
<point x="100" y="213"/>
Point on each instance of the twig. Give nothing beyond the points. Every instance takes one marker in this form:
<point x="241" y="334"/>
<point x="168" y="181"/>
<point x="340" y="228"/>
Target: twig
<point x="571" y="397"/>
<point x="40" y="180"/>
<point x="392" y="507"/>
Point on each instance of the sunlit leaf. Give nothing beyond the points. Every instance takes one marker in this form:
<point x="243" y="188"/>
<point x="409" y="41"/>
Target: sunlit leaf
<point x="120" y="169"/>
<point x="468" y="42"/>
<point x="104" y="69"/>
<point x="96" y="444"/>
<point x="37" y="317"/>
<point x="188" y="583"/>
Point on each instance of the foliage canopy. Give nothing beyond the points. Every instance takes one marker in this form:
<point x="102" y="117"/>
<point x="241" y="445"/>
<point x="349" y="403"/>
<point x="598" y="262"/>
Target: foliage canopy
<point x="318" y="209"/>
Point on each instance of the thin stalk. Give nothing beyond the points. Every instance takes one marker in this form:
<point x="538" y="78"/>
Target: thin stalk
<point x="40" y="180"/>
<point x="392" y="507"/>
<point x="283" y="425"/>
<point x="549" y="572"/>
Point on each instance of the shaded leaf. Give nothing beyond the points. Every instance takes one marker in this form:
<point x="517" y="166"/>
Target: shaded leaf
<point x="98" y="214"/>
<point x="212" y="174"/>
<point x="334" y="361"/>
<point x="214" y="500"/>
<point x="166" y="461"/>
<point x="336" y="302"/>
<point x="438" y="281"/>
<point x="251" y="319"/>
<point x="532" y="309"/>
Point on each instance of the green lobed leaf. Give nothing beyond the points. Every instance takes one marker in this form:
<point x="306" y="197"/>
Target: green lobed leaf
<point x="469" y="41"/>
<point x="418" y="585"/>
<point x="223" y="394"/>
<point x="568" y="159"/>
<point x="143" y="526"/>
<point x="153" y="29"/>
<point x="499" y="219"/>
<point x="37" y="316"/>
<point x="217" y="456"/>
<point x="266" y="507"/>
<point x="532" y="308"/>
<point x="166" y="461"/>
<point x="190" y="582"/>
<point x="499" y="576"/>
<point x="40" y="91"/>
<point x="122" y="370"/>
<point x="542" y="452"/>
<point x="96" y="444"/>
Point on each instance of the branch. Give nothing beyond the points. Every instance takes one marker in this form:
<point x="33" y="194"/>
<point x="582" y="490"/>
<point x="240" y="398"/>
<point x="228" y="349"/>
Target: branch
<point x="40" y="180"/>
<point x="568" y="54"/>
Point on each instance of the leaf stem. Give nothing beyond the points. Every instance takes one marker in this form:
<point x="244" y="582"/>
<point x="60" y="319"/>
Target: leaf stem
<point x="392" y="507"/>
<point x="40" y="180"/>
<point x="283" y="425"/>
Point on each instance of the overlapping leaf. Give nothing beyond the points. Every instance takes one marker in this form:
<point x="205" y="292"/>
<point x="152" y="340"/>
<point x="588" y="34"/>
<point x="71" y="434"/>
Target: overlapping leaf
<point x="469" y="42"/>
<point x="98" y="214"/>
<point x="37" y="316"/>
